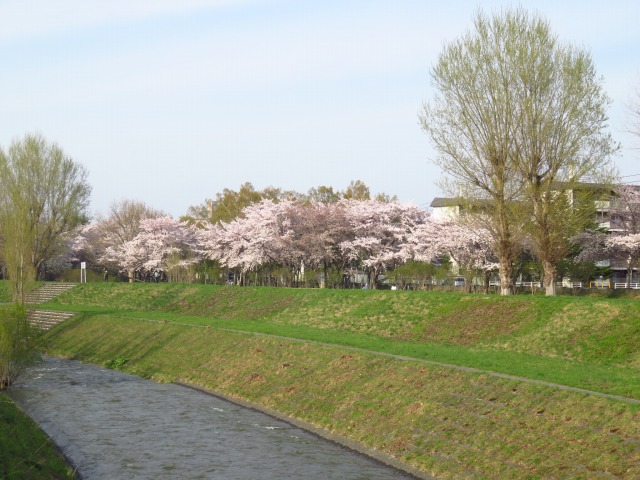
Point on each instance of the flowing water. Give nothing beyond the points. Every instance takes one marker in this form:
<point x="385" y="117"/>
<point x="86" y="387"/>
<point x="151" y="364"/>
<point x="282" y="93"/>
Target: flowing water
<point x="112" y="425"/>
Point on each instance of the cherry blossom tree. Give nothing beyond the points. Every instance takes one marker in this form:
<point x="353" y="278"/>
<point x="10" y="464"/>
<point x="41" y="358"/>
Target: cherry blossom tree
<point x="471" y="249"/>
<point x="627" y="248"/>
<point x="621" y="244"/>
<point x="122" y="225"/>
<point x="423" y="241"/>
<point x="379" y="231"/>
<point x="162" y="245"/>
<point x="422" y="259"/>
<point x="83" y="243"/>
<point x="250" y="240"/>
<point x="315" y="231"/>
<point x="307" y="235"/>
<point x="624" y="242"/>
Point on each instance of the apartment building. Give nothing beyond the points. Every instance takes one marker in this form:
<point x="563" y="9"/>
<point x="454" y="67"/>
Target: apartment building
<point x="608" y="216"/>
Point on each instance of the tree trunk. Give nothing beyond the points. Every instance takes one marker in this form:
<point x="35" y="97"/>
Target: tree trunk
<point x="549" y="276"/>
<point x="506" y="272"/>
<point x="468" y="283"/>
<point x="325" y="271"/>
<point x="505" y="247"/>
<point x="373" y="279"/>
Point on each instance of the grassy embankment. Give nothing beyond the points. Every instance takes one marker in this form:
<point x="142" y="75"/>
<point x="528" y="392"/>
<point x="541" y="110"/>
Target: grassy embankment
<point x="25" y="451"/>
<point x="446" y="421"/>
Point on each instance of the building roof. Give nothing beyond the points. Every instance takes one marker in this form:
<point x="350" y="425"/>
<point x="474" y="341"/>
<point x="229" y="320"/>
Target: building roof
<point x="445" y="202"/>
<point x="439" y="202"/>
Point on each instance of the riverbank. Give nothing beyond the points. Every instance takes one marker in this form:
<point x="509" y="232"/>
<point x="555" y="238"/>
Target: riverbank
<point x="116" y="426"/>
<point x="25" y="451"/>
<point x="445" y="422"/>
<point x="588" y="343"/>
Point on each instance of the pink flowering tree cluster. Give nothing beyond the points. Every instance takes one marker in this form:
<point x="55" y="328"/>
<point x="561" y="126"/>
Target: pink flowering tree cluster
<point x="301" y="236"/>
<point x="378" y="234"/>
<point x="163" y="245"/>
<point x="468" y="246"/>
<point x="314" y="234"/>
<point x="249" y="242"/>
<point x="273" y="240"/>
<point x="87" y="244"/>
<point x="285" y="237"/>
<point x="139" y="244"/>
<point x="289" y="242"/>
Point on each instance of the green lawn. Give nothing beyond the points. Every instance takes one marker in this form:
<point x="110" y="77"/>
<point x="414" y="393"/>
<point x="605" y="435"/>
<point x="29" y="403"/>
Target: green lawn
<point x="25" y="451"/>
<point x="330" y="358"/>
<point x="447" y="422"/>
<point x="589" y="343"/>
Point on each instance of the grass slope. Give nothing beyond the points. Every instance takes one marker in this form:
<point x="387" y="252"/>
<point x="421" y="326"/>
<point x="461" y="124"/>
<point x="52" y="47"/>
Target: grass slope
<point x="449" y="423"/>
<point x="25" y="451"/>
<point x="5" y="291"/>
<point x="590" y="343"/>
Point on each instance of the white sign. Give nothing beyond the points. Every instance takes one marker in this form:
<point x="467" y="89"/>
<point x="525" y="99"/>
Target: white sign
<point x="83" y="272"/>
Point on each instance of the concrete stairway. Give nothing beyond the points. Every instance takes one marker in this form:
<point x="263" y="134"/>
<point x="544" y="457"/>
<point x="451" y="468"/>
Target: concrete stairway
<point x="45" y="319"/>
<point x="47" y="291"/>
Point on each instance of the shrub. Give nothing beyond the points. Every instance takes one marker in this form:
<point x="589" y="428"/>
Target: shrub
<point x="17" y="350"/>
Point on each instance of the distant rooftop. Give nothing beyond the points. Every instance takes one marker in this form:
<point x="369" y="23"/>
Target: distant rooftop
<point x="445" y="202"/>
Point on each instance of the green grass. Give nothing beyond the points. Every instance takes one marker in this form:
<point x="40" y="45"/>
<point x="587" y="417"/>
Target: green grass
<point x="448" y="422"/>
<point x="320" y="362"/>
<point x="5" y="291"/>
<point x="589" y="343"/>
<point x="25" y="451"/>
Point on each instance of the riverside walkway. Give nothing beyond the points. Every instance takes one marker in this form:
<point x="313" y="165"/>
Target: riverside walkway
<point x="112" y="425"/>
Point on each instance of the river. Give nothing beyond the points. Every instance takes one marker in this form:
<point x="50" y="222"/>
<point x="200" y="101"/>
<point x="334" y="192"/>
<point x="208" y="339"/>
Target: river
<point x="112" y="425"/>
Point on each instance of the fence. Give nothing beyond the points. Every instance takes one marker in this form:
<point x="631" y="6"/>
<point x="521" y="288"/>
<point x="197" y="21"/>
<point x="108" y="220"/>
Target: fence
<point x="635" y="286"/>
<point x="539" y="284"/>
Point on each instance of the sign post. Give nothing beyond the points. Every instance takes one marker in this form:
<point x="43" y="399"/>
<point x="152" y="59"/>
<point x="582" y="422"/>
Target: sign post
<point x="83" y="272"/>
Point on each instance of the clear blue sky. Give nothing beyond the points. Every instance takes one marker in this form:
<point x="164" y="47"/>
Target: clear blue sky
<point x="170" y="101"/>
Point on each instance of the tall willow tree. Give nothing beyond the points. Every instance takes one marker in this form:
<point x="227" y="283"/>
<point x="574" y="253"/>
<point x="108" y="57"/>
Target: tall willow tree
<point x="519" y="120"/>
<point x="18" y="234"/>
<point x="43" y="195"/>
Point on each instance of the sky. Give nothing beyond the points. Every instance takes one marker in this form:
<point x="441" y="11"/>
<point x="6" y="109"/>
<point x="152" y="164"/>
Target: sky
<point x="171" y="101"/>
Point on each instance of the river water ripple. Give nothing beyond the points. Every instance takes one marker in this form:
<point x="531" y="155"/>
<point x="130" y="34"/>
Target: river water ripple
<point x="112" y="425"/>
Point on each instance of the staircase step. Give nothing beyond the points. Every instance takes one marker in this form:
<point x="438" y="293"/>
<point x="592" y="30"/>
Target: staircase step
<point x="46" y="319"/>
<point x="47" y="291"/>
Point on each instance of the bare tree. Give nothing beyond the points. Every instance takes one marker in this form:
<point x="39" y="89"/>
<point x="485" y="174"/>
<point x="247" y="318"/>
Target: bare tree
<point x="123" y="222"/>
<point x="633" y="111"/>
